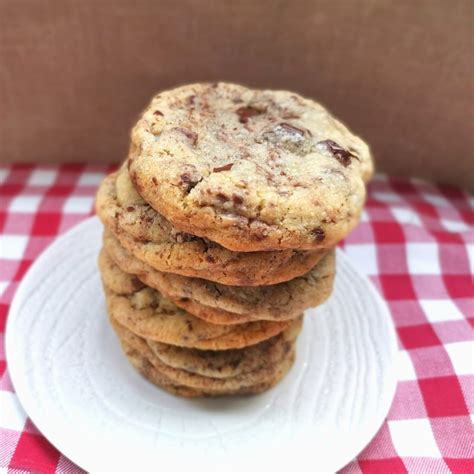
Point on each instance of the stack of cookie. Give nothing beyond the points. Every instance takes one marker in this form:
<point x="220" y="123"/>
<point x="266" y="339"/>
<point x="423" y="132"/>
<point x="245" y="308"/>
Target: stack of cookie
<point x="220" y="230"/>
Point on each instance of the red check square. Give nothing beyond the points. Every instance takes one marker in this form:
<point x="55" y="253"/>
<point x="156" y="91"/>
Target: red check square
<point x="398" y="287"/>
<point x="443" y="397"/>
<point x="418" y="336"/>
<point x="34" y="454"/>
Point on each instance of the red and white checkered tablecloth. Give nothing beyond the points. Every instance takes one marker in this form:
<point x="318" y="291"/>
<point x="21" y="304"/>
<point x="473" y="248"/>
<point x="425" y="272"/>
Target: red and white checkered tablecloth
<point x="416" y="243"/>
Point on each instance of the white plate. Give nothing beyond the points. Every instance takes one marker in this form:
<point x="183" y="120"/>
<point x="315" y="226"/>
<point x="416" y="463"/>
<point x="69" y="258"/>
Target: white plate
<point x="79" y="390"/>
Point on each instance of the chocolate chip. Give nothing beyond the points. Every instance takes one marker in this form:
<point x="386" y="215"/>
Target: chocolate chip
<point x="246" y="112"/>
<point x="190" y="99"/>
<point x="158" y="112"/>
<point x="130" y="208"/>
<point x="289" y="137"/>
<point x="155" y="181"/>
<point x="193" y="136"/>
<point x="190" y="325"/>
<point x="287" y="127"/>
<point x="188" y="181"/>
<point x="319" y="234"/>
<point x="210" y="259"/>
<point x="343" y="156"/>
<point x="222" y="197"/>
<point x="226" y="167"/>
<point x="237" y="199"/>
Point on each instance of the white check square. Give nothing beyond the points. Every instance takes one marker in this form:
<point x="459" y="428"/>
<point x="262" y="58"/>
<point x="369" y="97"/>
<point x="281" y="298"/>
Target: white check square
<point x="405" y="368"/>
<point x="42" y="177"/>
<point x="386" y="197"/>
<point x="436" y="200"/>
<point x="470" y="254"/>
<point x="3" y="175"/>
<point x="78" y="204"/>
<point x="25" y="204"/>
<point x="455" y="226"/>
<point x="12" y="247"/>
<point x="12" y="415"/>
<point x="462" y="357"/>
<point x="413" y="438"/>
<point x="364" y="256"/>
<point x="441" y="310"/>
<point x="364" y="216"/>
<point x="91" y="179"/>
<point x="405" y="216"/>
<point x="423" y="259"/>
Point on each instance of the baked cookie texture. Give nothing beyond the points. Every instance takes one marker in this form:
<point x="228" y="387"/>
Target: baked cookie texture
<point x="223" y="304"/>
<point x="152" y="239"/>
<point x="262" y="372"/>
<point x="253" y="170"/>
<point x="219" y="232"/>
<point x="150" y="315"/>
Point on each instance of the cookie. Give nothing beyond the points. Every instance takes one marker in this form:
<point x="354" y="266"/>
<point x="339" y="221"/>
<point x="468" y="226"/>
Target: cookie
<point x="254" y="170"/>
<point x="148" y="371"/>
<point x="152" y="239"/>
<point x="119" y="282"/>
<point x="263" y="373"/>
<point x="231" y="363"/>
<point x="148" y="314"/>
<point x="223" y="304"/>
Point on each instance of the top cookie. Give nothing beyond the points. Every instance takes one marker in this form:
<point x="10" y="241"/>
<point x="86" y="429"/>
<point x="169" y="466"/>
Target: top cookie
<point x="252" y="170"/>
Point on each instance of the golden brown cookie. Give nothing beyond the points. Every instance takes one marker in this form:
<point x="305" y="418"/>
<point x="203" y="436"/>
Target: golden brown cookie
<point x="152" y="374"/>
<point x="264" y="372"/>
<point x="152" y="239"/>
<point x="254" y="170"/>
<point x="150" y="315"/>
<point x="230" y="363"/>
<point x="223" y="304"/>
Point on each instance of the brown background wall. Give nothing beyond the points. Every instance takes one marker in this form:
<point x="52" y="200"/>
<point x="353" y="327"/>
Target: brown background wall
<point x="75" y="74"/>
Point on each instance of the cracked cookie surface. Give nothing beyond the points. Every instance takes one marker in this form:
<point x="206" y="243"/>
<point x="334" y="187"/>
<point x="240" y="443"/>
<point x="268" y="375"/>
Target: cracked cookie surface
<point x="150" y="315"/>
<point x="154" y="240"/>
<point x="262" y="372"/>
<point x="223" y="304"/>
<point x="252" y="170"/>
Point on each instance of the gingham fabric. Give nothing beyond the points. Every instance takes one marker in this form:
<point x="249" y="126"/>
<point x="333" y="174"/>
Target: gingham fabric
<point x="415" y="242"/>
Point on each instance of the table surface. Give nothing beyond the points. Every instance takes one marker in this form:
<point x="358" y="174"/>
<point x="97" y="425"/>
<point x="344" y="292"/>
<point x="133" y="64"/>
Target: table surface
<point x="416" y="244"/>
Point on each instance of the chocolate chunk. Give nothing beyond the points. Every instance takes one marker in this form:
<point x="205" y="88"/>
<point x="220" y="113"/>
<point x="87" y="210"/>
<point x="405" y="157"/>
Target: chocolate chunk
<point x="287" y="127"/>
<point x="155" y="181"/>
<point x="222" y="197"/>
<point x="237" y="199"/>
<point x="190" y="99"/>
<point x="246" y="112"/>
<point x="226" y="167"/>
<point x="210" y="259"/>
<point x="189" y="181"/>
<point x="190" y="325"/>
<point x="158" y="112"/>
<point x="288" y="136"/>
<point x="319" y="234"/>
<point x="130" y="208"/>
<point x="343" y="156"/>
<point x="193" y="136"/>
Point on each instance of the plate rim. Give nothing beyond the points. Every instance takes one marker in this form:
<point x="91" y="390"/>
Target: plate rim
<point x="362" y="442"/>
